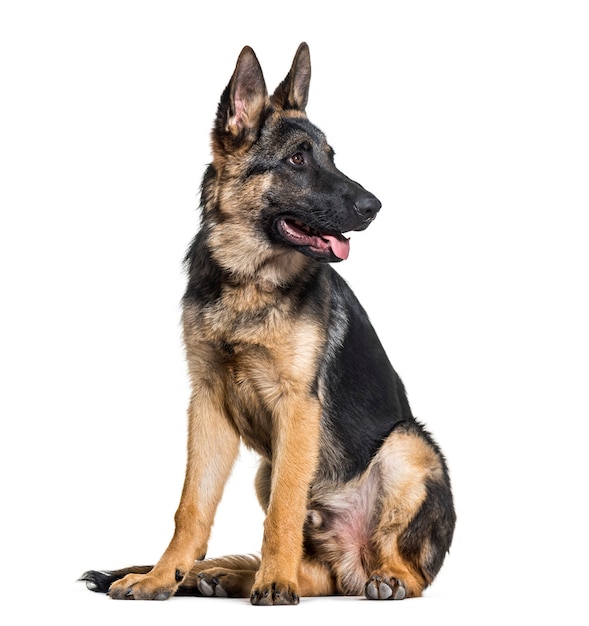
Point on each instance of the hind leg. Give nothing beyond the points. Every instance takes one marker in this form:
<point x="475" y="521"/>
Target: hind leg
<point x="416" y="520"/>
<point x="226" y="577"/>
<point x="234" y="576"/>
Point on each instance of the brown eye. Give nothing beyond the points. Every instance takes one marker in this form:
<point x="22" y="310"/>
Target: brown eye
<point x="297" y="159"/>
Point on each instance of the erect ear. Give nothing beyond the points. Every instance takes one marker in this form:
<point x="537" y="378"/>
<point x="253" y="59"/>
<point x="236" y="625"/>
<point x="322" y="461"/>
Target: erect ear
<point x="244" y="100"/>
<point x="293" y="91"/>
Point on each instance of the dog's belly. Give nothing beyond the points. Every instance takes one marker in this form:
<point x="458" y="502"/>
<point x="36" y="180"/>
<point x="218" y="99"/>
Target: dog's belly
<point x="339" y="530"/>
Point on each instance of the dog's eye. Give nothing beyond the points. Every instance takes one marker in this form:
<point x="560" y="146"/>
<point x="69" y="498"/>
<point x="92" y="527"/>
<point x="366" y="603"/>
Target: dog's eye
<point x="297" y="159"/>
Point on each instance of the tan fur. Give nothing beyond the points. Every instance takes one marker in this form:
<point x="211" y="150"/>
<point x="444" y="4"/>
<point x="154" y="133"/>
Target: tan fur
<point x="406" y="461"/>
<point x="258" y="360"/>
<point x="370" y="514"/>
<point x="271" y="374"/>
<point x="244" y="253"/>
<point x="357" y="540"/>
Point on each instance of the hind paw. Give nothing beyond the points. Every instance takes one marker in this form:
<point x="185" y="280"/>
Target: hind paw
<point x="384" y="588"/>
<point x="225" y="583"/>
<point x="211" y="585"/>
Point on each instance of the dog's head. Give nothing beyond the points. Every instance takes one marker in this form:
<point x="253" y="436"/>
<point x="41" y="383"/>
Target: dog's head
<point x="274" y="184"/>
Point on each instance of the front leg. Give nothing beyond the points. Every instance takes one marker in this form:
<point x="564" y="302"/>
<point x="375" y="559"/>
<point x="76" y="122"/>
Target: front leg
<point x="212" y="448"/>
<point x="294" y="462"/>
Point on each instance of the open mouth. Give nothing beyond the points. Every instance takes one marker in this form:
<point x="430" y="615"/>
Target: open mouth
<point x="326" y="245"/>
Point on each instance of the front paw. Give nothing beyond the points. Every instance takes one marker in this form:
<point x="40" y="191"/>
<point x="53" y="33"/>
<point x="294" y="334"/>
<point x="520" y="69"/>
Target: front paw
<point x="275" y="593"/>
<point x="142" y="587"/>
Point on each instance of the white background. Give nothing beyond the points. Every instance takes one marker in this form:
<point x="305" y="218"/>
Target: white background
<point x="469" y="120"/>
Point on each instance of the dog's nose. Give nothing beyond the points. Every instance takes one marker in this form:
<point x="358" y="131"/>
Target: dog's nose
<point x="367" y="206"/>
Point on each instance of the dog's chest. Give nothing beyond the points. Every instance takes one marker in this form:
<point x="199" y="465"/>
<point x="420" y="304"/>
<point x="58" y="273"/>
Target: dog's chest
<point x="260" y="356"/>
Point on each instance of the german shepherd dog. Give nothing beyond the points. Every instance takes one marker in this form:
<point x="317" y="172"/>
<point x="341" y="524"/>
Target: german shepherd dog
<point x="282" y="357"/>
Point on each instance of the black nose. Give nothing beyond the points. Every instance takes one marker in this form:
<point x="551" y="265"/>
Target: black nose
<point x="367" y="206"/>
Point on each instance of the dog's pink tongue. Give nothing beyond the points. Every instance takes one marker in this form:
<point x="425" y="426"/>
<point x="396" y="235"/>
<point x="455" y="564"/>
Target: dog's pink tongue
<point x="340" y="246"/>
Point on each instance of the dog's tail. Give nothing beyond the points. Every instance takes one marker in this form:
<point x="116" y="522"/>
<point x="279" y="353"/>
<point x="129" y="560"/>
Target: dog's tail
<point x="245" y="566"/>
<point x="100" y="581"/>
